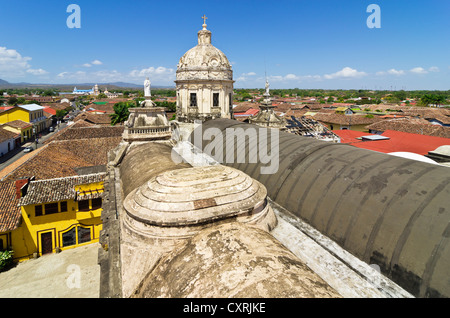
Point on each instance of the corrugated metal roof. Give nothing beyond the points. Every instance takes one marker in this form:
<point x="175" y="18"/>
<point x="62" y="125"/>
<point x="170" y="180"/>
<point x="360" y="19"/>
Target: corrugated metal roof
<point x="31" y="107"/>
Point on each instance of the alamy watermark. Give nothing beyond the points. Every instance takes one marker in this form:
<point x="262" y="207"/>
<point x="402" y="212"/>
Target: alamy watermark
<point x="74" y="279"/>
<point x="373" y="20"/>
<point x="74" y="19"/>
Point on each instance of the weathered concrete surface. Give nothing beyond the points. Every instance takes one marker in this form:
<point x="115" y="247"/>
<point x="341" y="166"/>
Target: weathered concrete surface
<point x="348" y="275"/>
<point x="175" y="205"/>
<point x="73" y="273"/>
<point x="232" y="260"/>
<point x="386" y="210"/>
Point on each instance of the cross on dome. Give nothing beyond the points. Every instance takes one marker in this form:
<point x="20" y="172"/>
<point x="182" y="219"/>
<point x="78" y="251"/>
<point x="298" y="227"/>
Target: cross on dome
<point x="204" y="22"/>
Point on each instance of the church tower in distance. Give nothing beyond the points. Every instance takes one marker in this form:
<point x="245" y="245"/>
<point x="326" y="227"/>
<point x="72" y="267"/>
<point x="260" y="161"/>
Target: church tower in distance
<point x="204" y="82"/>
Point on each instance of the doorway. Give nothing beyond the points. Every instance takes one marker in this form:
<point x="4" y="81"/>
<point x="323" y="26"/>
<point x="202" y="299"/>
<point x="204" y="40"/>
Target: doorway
<point x="46" y="243"/>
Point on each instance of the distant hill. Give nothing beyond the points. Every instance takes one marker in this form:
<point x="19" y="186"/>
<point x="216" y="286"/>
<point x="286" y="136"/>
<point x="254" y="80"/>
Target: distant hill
<point x="110" y="86"/>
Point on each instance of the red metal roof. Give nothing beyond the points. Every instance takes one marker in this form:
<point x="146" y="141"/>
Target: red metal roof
<point x="49" y="110"/>
<point x="398" y="141"/>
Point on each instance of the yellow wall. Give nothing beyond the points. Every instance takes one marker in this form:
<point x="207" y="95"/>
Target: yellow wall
<point x="26" y="240"/>
<point x="18" y="113"/>
<point x="23" y="132"/>
<point x="361" y="128"/>
<point x="14" y="114"/>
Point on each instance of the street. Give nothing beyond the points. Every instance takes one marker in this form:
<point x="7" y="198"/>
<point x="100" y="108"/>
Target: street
<point x="17" y="153"/>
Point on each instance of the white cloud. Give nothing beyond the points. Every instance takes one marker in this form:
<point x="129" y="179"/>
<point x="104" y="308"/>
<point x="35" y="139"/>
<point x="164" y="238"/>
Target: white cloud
<point x="434" y="69"/>
<point x="393" y="71"/>
<point x="249" y="74"/>
<point x="38" y="71"/>
<point x="62" y="74"/>
<point x="107" y="76"/>
<point x="291" y="77"/>
<point x="346" y="72"/>
<point x="160" y="75"/>
<point x="12" y="63"/>
<point x="94" y="62"/>
<point x="79" y="75"/>
<point x="418" y="70"/>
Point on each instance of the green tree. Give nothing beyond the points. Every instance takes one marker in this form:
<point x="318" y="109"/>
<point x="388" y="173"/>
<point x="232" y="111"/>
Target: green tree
<point x="60" y="113"/>
<point x="101" y="95"/>
<point x="12" y="101"/>
<point x="6" y="259"/>
<point x="435" y="99"/>
<point x="400" y="95"/>
<point x="121" y="113"/>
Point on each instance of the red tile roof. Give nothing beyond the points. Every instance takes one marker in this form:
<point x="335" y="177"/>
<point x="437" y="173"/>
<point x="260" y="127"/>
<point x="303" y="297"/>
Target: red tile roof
<point x="410" y="125"/>
<point x="18" y="124"/>
<point x="10" y="214"/>
<point x="62" y="158"/>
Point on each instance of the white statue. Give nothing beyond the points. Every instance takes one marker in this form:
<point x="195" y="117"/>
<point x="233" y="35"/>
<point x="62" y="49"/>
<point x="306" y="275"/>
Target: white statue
<point x="147" y="92"/>
<point x="267" y="88"/>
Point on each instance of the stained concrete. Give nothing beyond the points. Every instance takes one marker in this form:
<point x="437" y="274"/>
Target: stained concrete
<point x="233" y="260"/>
<point x="73" y="273"/>
<point x="385" y="210"/>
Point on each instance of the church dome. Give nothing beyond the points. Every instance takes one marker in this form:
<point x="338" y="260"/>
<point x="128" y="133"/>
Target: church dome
<point x="183" y="201"/>
<point x="204" y="61"/>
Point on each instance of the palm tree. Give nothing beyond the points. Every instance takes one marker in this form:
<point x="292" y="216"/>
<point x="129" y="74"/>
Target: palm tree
<point x="121" y="113"/>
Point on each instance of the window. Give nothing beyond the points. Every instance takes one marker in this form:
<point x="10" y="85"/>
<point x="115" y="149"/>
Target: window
<point x="83" y="205"/>
<point x="63" y="206"/>
<point x="194" y="99"/>
<point x="84" y="234"/>
<point x="51" y="208"/>
<point x="69" y="237"/>
<point x="38" y="210"/>
<point x="96" y="203"/>
<point x="215" y="99"/>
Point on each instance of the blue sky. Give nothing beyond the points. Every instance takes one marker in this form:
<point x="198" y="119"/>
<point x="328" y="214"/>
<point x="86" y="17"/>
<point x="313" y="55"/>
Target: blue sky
<point x="297" y="43"/>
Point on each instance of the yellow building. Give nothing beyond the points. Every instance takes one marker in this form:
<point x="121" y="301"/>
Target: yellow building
<point x="20" y="127"/>
<point x="56" y="214"/>
<point x="32" y="114"/>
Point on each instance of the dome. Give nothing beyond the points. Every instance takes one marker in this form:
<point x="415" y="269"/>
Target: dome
<point x="442" y="150"/>
<point x="189" y="199"/>
<point x="232" y="260"/>
<point x="204" y="61"/>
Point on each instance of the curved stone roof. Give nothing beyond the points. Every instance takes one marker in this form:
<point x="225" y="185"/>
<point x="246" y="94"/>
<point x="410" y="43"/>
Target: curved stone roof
<point x="386" y="210"/>
<point x="232" y="260"/>
<point x="136" y="169"/>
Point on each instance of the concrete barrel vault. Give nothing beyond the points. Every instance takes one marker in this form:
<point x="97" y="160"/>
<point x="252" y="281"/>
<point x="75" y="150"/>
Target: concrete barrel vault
<point x="386" y="210"/>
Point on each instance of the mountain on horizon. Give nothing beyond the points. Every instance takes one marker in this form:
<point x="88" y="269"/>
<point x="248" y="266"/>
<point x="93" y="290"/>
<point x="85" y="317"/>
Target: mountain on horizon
<point x="4" y="83"/>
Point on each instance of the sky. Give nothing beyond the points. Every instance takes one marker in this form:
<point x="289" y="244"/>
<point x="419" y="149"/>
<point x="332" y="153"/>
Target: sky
<point x="322" y="44"/>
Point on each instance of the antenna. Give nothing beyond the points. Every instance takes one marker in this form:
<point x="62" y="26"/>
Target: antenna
<point x="265" y="68"/>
